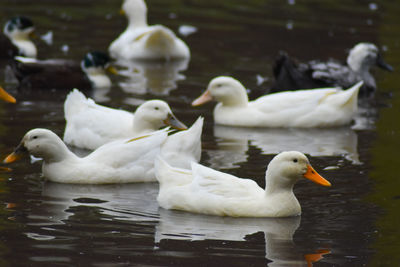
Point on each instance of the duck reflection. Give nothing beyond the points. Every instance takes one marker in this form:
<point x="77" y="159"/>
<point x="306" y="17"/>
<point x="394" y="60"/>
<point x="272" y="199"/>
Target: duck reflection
<point x="233" y="143"/>
<point x="121" y="201"/>
<point x="278" y="233"/>
<point x="153" y="77"/>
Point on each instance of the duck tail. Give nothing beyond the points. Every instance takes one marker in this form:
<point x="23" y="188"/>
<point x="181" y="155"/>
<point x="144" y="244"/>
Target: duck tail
<point x="75" y="102"/>
<point x="183" y="147"/>
<point x="350" y="96"/>
<point x="167" y="175"/>
<point x="160" y="37"/>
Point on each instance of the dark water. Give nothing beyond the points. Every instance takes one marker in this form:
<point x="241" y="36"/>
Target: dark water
<point x="353" y="223"/>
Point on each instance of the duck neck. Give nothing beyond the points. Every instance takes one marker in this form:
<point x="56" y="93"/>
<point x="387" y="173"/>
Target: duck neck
<point x="239" y="99"/>
<point x="56" y="152"/>
<point x="138" y="19"/>
<point x="143" y="126"/>
<point x="278" y="185"/>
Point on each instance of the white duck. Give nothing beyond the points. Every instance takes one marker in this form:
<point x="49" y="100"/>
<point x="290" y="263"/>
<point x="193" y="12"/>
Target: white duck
<point x="89" y="125"/>
<point x="207" y="191"/>
<point x="141" y="41"/>
<point x="121" y="161"/>
<point x="18" y="30"/>
<point x="324" y="107"/>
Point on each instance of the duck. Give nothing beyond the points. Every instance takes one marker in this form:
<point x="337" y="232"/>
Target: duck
<point x="143" y="42"/>
<point x="201" y="189"/>
<point x="326" y="107"/>
<point x="90" y="73"/>
<point x="121" y="161"/>
<point x="6" y="96"/>
<point x="290" y="75"/>
<point x="15" y="39"/>
<point x="90" y="125"/>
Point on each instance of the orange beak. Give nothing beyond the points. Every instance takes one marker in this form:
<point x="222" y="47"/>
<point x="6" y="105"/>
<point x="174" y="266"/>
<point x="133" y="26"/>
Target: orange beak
<point x="5" y="169"/>
<point x="310" y="258"/>
<point x="16" y="155"/>
<point x="204" y="98"/>
<point x="312" y="175"/>
<point x="5" y="96"/>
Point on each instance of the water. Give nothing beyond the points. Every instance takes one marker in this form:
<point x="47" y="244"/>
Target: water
<point x="353" y="223"/>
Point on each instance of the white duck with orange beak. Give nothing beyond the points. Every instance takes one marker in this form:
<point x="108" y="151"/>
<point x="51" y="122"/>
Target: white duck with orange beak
<point x="207" y="191"/>
<point x="325" y="107"/>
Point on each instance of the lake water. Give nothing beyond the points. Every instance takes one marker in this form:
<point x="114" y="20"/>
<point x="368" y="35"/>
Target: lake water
<point x="353" y="223"/>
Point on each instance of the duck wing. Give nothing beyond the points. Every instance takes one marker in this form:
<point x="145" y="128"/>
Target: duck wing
<point x="292" y="101"/>
<point x="218" y="184"/>
<point x="138" y="152"/>
<point x="183" y="147"/>
<point x="291" y="75"/>
<point x="49" y="74"/>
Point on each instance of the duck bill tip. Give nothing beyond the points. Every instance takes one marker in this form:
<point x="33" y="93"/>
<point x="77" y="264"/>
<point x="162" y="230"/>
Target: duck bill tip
<point x="312" y="175"/>
<point x="12" y="157"/>
<point x="172" y="121"/>
<point x="6" y="96"/>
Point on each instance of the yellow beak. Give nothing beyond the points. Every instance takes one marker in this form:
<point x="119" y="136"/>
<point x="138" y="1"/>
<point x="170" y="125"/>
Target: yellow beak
<point x="204" y="98"/>
<point x="112" y="69"/>
<point x="7" y="97"/>
<point x="312" y="175"/>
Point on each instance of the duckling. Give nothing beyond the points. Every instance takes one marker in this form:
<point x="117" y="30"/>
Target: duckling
<point x="64" y="73"/>
<point x="15" y="39"/>
<point x="204" y="190"/>
<point x="143" y="42"/>
<point x="6" y="96"/>
<point x="290" y="75"/>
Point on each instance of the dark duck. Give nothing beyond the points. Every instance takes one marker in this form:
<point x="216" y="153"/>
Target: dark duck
<point x="15" y="39"/>
<point x="90" y="73"/>
<point x="290" y="75"/>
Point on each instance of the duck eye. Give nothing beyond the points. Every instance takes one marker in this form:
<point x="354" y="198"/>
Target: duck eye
<point x="295" y="160"/>
<point x="35" y="137"/>
<point x="156" y="108"/>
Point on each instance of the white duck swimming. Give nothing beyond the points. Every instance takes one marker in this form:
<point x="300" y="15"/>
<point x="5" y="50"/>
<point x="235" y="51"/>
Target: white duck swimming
<point x="324" y="107"/>
<point x="207" y="191"/>
<point x="121" y="161"/>
<point x="89" y="125"/>
<point x="141" y="41"/>
<point x="18" y="30"/>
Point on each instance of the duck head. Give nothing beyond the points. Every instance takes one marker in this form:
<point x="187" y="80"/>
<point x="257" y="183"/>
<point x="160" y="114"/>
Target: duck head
<point x="226" y="90"/>
<point x="365" y="55"/>
<point x="286" y="168"/>
<point x="154" y="114"/>
<point x="18" y="30"/>
<point x="41" y="143"/>
<point x="94" y="64"/>
<point x="136" y="12"/>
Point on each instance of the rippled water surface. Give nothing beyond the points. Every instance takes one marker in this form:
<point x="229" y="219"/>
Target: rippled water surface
<point x="353" y="223"/>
